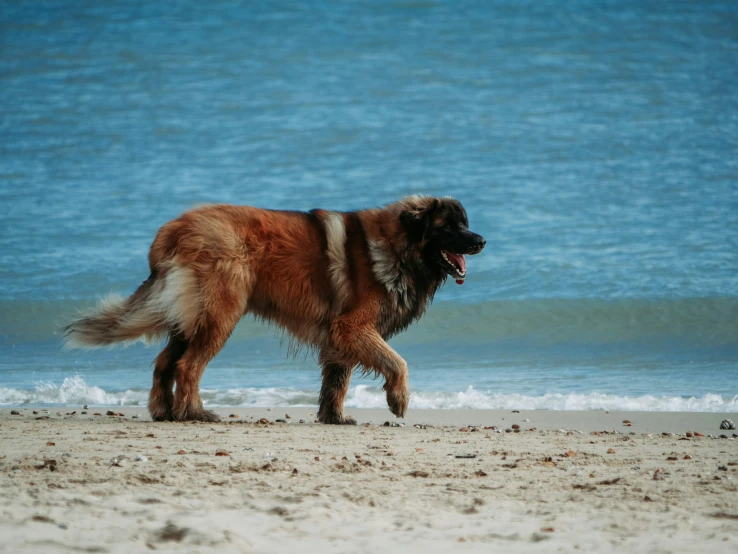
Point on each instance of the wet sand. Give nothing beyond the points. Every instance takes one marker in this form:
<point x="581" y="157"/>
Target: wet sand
<point x="441" y="483"/>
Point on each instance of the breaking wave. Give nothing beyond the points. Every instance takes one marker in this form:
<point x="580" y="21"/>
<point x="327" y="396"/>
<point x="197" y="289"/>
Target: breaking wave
<point x="74" y="391"/>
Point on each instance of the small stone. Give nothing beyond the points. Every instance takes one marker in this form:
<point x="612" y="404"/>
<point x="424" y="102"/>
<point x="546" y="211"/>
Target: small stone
<point x="222" y="453"/>
<point x="182" y="452"/>
<point x="687" y="457"/>
<point x="302" y="421"/>
<point x="110" y="413"/>
<point x="611" y="451"/>
<point x="295" y="472"/>
<point x="696" y="434"/>
<point x="547" y="529"/>
<point x="464" y="430"/>
<point x="419" y="450"/>
<point x="480" y="473"/>
<point x="117" y="461"/>
<point x="269" y="409"/>
<point x="140" y="458"/>
<point x="466" y="455"/>
<point x="658" y="475"/>
<point x="14" y="412"/>
<point x="263" y="421"/>
<point x="515" y="426"/>
<point x="134" y="416"/>
<point x="287" y="416"/>
<point x="727" y="424"/>
<point x="570" y="454"/>
<point x="626" y="421"/>
<point x="317" y="458"/>
<point x="49" y="443"/>
<point x="671" y="459"/>
<point x="280" y="420"/>
<point x="235" y="416"/>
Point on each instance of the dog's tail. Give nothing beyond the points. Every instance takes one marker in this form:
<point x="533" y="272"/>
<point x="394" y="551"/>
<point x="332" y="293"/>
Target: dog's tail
<point x="117" y="319"/>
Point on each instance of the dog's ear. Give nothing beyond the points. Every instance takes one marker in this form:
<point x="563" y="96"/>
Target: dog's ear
<point x="418" y="218"/>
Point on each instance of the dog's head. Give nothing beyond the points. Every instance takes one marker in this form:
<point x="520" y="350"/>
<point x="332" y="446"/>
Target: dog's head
<point x="439" y="228"/>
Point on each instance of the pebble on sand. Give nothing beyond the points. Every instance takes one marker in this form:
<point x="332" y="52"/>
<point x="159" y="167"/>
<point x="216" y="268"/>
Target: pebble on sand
<point x="611" y="451"/>
<point x="727" y="424"/>
<point x="49" y="443"/>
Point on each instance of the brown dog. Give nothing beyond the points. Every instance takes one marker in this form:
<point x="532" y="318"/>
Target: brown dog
<point x="343" y="282"/>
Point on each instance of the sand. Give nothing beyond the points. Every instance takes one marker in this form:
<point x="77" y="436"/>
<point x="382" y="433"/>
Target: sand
<point x="72" y="483"/>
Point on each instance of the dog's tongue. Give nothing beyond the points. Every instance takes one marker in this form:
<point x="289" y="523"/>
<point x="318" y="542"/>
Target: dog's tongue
<point x="459" y="261"/>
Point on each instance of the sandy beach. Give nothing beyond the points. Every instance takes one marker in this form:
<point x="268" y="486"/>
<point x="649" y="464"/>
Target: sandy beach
<point x="443" y="481"/>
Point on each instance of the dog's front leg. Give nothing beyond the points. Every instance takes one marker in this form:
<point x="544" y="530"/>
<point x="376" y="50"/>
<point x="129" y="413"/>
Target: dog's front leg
<point x="364" y="345"/>
<point x="336" y="378"/>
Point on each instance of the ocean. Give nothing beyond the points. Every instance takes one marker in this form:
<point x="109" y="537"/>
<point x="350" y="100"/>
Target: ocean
<point x="594" y="145"/>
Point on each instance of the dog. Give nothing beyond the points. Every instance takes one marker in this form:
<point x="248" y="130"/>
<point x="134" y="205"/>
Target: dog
<point x="342" y="283"/>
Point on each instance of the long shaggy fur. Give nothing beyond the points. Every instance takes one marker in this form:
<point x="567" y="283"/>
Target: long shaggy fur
<point x="339" y="282"/>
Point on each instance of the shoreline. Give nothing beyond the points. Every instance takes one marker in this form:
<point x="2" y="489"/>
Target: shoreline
<point x="707" y="423"/>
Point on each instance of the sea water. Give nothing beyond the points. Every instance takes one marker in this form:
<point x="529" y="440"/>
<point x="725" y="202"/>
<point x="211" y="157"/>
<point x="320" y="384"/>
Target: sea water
<point x="594" y="145"/>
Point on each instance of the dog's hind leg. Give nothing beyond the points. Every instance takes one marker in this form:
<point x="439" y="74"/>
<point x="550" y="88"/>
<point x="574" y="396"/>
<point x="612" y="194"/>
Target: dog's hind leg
<point x="223" y="298"/>
<point x="161" y="397"/>
<point x="202" y="348"/>
<point x="336" y="378"/>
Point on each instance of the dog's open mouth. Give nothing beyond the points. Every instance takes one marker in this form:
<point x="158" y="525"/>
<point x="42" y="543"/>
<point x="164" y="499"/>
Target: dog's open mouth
<point x="456" y="265"/>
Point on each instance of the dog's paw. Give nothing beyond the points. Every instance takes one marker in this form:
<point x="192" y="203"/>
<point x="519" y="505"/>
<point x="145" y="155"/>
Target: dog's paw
<point x="198" y="415"/>
<point x="336" y="419"/>
<point x="397" y="400"/>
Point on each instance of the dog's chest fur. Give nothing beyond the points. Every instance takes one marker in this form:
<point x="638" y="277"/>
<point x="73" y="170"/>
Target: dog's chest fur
<point x="408" y="291"/>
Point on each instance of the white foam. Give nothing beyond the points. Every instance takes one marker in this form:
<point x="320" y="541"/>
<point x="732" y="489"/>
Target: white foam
<point x="74" y="391"/>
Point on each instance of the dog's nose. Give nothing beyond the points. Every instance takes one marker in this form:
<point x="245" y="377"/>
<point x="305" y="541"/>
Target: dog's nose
<point x="481" y="242"/>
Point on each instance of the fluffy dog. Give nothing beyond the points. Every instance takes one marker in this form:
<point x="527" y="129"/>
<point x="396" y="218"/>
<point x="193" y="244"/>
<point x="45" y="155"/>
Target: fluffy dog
<point x="340" y="282"/>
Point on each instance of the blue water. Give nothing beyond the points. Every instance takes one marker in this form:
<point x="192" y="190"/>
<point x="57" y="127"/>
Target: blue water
<point x="594" y="145"/>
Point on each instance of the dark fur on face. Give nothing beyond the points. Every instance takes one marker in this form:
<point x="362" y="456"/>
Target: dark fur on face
<point x="440" y="228"/>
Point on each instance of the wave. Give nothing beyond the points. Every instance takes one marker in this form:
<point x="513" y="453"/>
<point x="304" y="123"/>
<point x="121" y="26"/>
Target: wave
<point x="74" y="391"/>
<point x="704" y="322"/>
